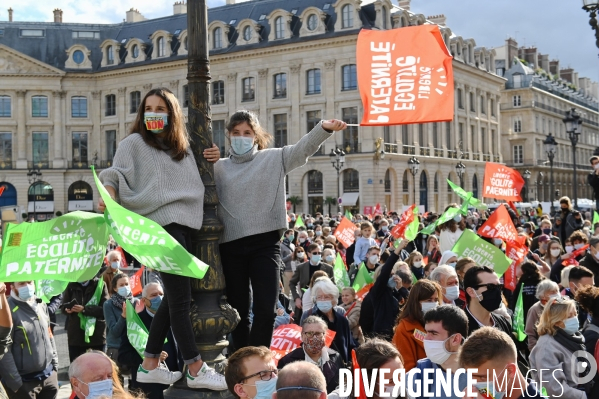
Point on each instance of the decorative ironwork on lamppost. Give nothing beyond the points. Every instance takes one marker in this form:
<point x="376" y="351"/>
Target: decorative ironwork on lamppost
<point x="591" y="7"/>
<point x="573" y="121"/>
<point x="414" y="165"/>
<point x="526" y="176"/>
<point x="460" y="169"/>
<point x="34" y="175"/>
<point x="338" y="159"/>
<point x="551" y="149"/>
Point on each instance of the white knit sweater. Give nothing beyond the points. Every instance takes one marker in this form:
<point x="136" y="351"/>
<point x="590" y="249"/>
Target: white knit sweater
<point x="149" y="182"/>
<point x="251" y="187"/>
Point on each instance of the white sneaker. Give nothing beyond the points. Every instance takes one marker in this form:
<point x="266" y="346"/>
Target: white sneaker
<point x="159" y="375"/>
<point x="207" y="378"/>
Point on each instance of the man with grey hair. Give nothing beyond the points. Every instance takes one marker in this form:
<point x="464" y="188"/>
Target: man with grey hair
<point x="591" y="259"/>
<point x="546" y="290"/>
<point x="447" y="278"/>
<point x="301" y="380"/>
<point x="91" y="376"/>
<point x="315" y="351"/>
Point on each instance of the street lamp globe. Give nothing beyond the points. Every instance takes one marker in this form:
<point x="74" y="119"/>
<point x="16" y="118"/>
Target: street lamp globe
<point x="526" y="174"/>
<point x="460" y="169"/>
<point x="572" y="122"/>
<point x="589" y="4"/>
<point x="341" y="156"/>
<point x="333" y="155"/>
<point x="550" y="145"/>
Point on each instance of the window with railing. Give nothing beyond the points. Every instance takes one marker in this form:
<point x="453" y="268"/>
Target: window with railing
<point x="405" y="183"/>
<point x="388" y="181"/>
<point x="248" y="87"/>
<point x="351" y="181"/>
<point x="516" y="101"/>
<point x="6" y="150"/>
<point x="218" y="135"/>
<point x="218" y="92"/>
<point x="280" y="85"/>
<point x="134" y="101"/>
<point x="517" y="154"/>
<point x="39" y="106"/>
<point x="280" y="130"/>
<point x="350" y="135"/>
<point x="79" y="150"/>
<point x="314" y="182"/>
<point x="5" y="111"/>
<point x="110" y="105"/>
<point x="79" y="107"/>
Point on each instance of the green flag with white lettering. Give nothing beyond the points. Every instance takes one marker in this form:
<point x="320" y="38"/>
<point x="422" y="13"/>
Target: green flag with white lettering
<point x="136" y="330"/>
<point x="147" y="241"/>
<point x="88" y="323"/>
<point x="46" y="289"/>
<point x="340" y="273"/>
<point x="483" y="253"/>
<point x="518" y="323"/>
<point x="68" y="248"/>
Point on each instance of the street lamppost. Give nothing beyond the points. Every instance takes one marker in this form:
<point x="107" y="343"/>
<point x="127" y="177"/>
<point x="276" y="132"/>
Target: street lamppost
<point x="414" y="165"/>
<point x="591" y="7"/>
<point x="526" y="176"/>
<point x="550" y="149"/>
<point x="337" y="159"/>
<point x="460" y="169"/>
<point x="573" y="122"/>
<point x="34" y="175"/>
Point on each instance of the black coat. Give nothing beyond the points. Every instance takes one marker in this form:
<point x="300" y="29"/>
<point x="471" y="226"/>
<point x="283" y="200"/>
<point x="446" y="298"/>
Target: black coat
<point x="593" y="181"/>
<point x="330" y="369"/>
<point x="387" y="304"/>
<point x="128" y="356"/>
<point x="366" y="321"/>
<point x="529" y="284"/>
<point x="590" y="262"/>
<point x="83" y="294"/>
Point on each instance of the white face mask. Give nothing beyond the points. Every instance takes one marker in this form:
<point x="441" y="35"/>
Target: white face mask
<point x="426" y="306"/>
<point x="569" y="249"/>
<point x="300" y="255"/>
<point x="452" y="293"/>
<point x="417" y="264"/>
<point x="436" y="352"/>
<point x="578" y="246"/>
<point x="373" y="259"/>
<point x="555" y="252"/>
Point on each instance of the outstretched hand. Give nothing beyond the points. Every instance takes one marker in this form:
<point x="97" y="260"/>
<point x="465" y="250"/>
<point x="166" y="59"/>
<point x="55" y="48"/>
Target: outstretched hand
<point x="334" y="125"/>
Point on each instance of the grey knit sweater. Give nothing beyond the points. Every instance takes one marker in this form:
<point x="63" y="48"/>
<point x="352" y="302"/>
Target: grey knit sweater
<point x="149" y="182"/>
<point x="251" y="187"/>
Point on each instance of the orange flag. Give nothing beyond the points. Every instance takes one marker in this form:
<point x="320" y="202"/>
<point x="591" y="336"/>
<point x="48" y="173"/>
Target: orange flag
<point x="364" y="291"/>
<point x="499" y="225"/>
<point x="377" y="209"/>
<point x="516" y="250"/>
<point x="345" y="232"/>
<point x="358" y="385"/>
<point x="406" y="218"/>
<point x="135" y="282"/>
<point x="502" y="182"/>
<point x="405" y="75"/>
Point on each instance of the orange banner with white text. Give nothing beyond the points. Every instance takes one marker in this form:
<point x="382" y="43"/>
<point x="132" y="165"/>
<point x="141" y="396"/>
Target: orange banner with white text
<point x="345" y="232"/>
<point x="502" y="182"/>
<point x="405" y="75"/>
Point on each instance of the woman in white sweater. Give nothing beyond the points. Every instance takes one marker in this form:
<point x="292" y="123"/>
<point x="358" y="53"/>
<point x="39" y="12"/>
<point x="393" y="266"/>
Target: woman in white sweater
<point x="155" y="175"/>
<point x="251" y="191"/>
<point x="451" y="231"/>
<point x="559" y="339"/>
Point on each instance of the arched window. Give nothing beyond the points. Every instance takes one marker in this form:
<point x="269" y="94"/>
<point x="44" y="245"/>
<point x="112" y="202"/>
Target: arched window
<point x="40" y="188"/>
<point x="436" y="183"/>
<point x="423" y="190"/>
<point x="279" y="28"/>
<point x="160" y="46"/>
<point x="217" y="39"/>
<point x="347" y="13"/>
<point x="384" y="15"/>
<point x="388" y="181"/>
<point x="109" y="55"/>
<point x="351" y="181"/>
<point x="314" y="182"/>
<point x="135" y="51"/>
<point x="405" y="183"/>
<point x="9" y="194"/>
<point x="247" y="33"/>
<point x="475" y="186"/>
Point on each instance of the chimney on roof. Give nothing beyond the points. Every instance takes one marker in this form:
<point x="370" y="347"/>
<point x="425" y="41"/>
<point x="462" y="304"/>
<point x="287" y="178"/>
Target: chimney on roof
<point x="10" y="14"/>
<point x="230" y="2"/>
<point x="180" y="7"/>
<point x="133" y="15"/>
<point x="58" y="16"/>
<point x="405" y="4"/>
<point x="438" y="19"/>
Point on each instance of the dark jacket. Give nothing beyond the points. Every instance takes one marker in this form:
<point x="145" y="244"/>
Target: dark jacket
<point x="557" y="267"/>
<point x="83" y="294"/>
<point x="590" y="262"/>
<point x="367" y="316"/>
<point x="330" y="369"/>
<point x="343" y="341"/>
<point x="53" y="306"/>
<point x="501" y="323"/>
<point x="593" y="180"/>
<point x="128" y="356"/>
<point x="528" y="284"/>
<point x="387" y="304"/>
<point x="349" y="254"/>
<point x="301" y="276"/>
<point x="582" y="315"/>
<point x="569" y="224"/>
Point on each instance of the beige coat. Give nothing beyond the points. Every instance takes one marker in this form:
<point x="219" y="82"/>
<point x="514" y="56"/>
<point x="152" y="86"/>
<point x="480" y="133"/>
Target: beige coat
<point x="353" y="317"/>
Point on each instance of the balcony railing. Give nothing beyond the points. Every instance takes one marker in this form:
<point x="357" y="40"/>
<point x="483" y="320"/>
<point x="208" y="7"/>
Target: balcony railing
<point x="476" y="156"/>
<point x="543" y="162"/>
<point x="439" y="152"/>
<point x="452" y="154"/>
<point x="496" y="158"/>
<point x="314" y="187"/>
<point x="351" y="148"/>
<point x="425" y="151"/>
<point x="78" y="165"/>
<point x="408" y="149"/>
<point x="39" y="165"/>
<point x="391" y="148"/>
<point x="351" y="186"/>
<point x="8" y="165"/>
<point x="387" y="186"/>
<point x="103" y="164"/>
<point x="487" y="157"/>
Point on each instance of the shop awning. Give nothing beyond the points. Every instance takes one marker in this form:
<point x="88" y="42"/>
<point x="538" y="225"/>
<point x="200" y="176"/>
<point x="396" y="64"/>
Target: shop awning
<point x="349" y="199"/>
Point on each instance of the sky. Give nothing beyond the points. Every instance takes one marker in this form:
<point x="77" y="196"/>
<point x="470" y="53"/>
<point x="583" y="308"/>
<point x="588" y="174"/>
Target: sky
<point x="559" y="28"/>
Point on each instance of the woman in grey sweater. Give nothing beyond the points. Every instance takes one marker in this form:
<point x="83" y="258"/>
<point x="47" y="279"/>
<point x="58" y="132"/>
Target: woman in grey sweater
<point x="155" y="175"/>
<point x="551" y="360"/>
<point x="251" y="192"/>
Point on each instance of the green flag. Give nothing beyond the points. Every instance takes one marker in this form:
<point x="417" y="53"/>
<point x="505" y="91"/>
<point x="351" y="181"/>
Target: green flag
<point x="474" y="202"/>
<point x="518" y="324"/>
<point x="46" y="289"/>
<point x="88" y="323"/>
<point x="68" y="248"/>
<point x="340" y="273"/>
<point x="348" y="215"/>
<point x="136" y="330"/>
<point x="412" y="230"/>
<point x="448" y="215"/>
<point x="299" y="222"/>
<point x="483" y="253"/>
<point x="147" y="241"/>
<point x="595" y="218"/>
<point x="363" y="277"/>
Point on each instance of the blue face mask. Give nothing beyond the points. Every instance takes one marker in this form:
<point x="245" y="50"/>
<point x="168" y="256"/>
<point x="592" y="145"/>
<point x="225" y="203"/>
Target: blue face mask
<point x="99" y="388"/>
<point x="155" y="122"/>
<point x="155" y="303"/>
<point x="315" y="259"/>
<point x="391" y="283"/>
<point x="452" y="264"/>
<point x="124" y="291"/>
<point x="265" y="389"/>
<point x="26" y="292"/>
<point x="241" y="145"/>
<point x="571" y="325"/>
<point x="457" y="218"/>
<point x="324" y="306"/>
<point x="291" y="237"/>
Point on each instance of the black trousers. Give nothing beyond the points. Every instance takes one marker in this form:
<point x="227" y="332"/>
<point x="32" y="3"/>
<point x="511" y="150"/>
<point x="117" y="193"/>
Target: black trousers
<point x="45" y="389"/>
<point x="174" y="309"/>
<point x="253" y="260"/>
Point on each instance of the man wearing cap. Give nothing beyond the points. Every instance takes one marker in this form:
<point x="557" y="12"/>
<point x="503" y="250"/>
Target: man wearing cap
<point x="591" y="259"/>
<point x="543" y="244"/>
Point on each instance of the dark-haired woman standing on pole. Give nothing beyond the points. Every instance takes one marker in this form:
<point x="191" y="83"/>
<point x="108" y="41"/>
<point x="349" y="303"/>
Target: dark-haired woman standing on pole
<point x="155" y="175"/>
<point x="251" y="192"/>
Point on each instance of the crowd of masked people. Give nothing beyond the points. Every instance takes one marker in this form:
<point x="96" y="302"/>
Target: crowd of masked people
<point x="427" y="308"/>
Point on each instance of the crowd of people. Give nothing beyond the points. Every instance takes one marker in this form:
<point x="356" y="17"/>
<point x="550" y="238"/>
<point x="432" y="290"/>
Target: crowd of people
<point x="411" y="305"/>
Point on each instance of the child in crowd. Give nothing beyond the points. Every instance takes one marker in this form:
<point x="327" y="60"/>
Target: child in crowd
<point x="352" y="312"/>
<point x="364" y="242"/>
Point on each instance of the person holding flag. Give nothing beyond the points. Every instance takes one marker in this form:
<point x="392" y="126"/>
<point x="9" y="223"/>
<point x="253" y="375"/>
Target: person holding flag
<point x="451" y="230"/>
